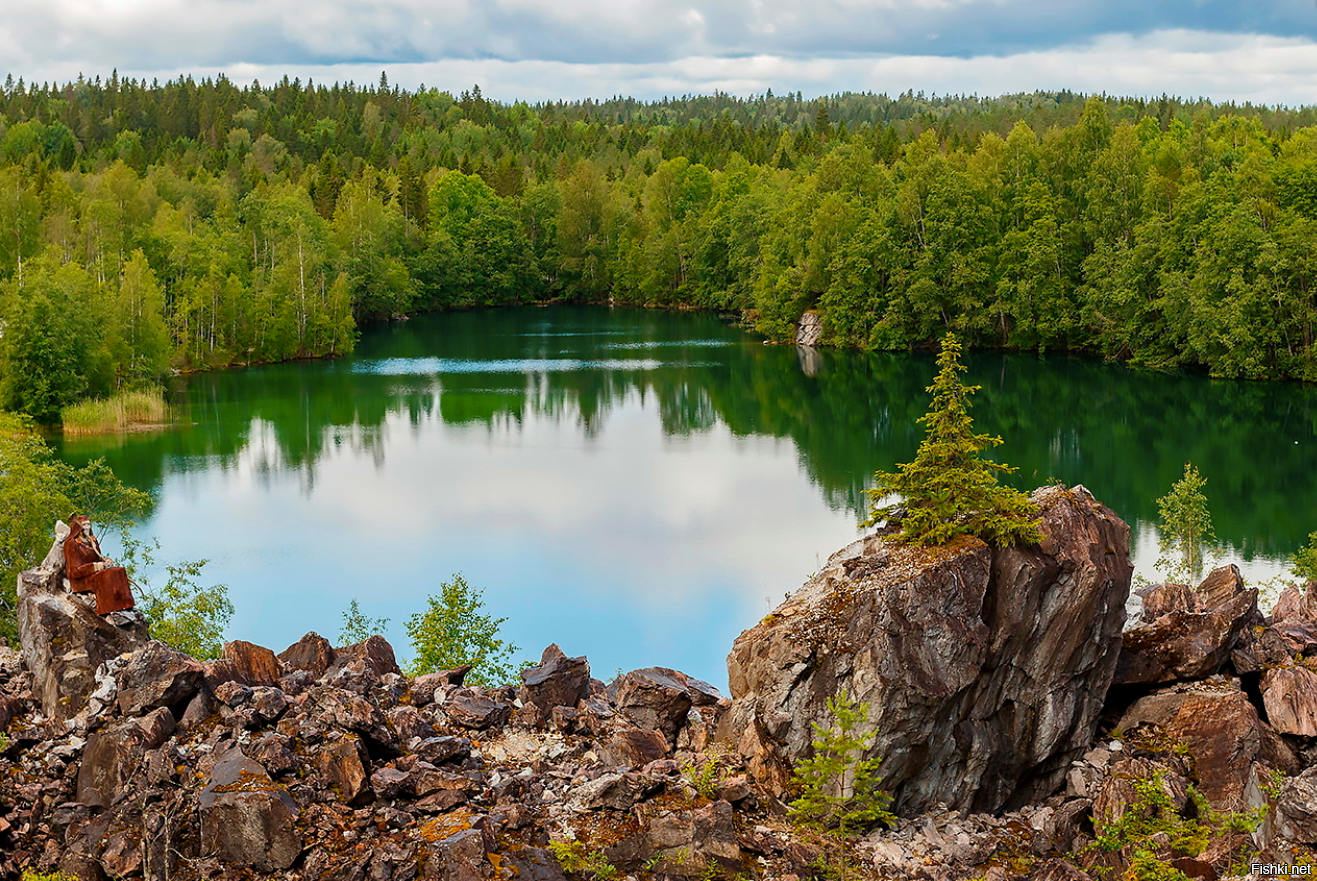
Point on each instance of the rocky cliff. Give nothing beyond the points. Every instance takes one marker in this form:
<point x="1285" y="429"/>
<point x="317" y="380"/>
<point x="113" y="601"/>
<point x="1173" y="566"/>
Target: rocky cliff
<point x="984" y="670"/>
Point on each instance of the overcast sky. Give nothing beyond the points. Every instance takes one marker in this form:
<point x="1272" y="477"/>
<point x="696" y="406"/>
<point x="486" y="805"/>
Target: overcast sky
<point x="1244" y="50"/>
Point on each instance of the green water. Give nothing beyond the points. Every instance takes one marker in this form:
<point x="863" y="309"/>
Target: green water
<point x="641" y="486"/>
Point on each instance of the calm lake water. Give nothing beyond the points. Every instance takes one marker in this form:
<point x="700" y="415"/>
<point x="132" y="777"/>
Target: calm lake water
<point x="641" y="486"/>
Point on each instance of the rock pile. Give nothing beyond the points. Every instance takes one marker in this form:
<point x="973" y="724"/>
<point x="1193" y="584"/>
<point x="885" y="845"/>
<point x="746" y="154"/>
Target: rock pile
<point x="124" y="758"/>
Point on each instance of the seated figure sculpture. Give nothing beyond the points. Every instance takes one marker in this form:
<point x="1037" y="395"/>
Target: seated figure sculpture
<point x="89" y="572"/>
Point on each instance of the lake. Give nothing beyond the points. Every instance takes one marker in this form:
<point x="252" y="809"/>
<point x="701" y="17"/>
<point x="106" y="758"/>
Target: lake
<point x="641" y="486"/>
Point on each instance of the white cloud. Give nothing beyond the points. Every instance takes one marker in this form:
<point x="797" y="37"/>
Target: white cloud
<point x="1261" y="69"/>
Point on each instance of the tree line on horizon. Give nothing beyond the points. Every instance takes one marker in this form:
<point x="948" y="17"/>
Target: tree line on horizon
<point x="199" y="224"/>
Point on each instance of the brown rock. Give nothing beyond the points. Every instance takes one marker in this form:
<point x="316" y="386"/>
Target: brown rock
<point x="157" y="676"/>
<point x="254" y="664"/>
<point x="408" y="723"/>
<point x="437" y="750"/>
<point x="1289" y="695"/>
<point x="1294" y="604"/>
<point x="1192" y="641"/>
<point x="633" y="748"/>
<point x="375" y="652"/>
<point x="246" y="819"/>
<point x="1163" y="599"/>
<point x="473" y="709"/>
<point x="1219" y="725"/>
<point x="557" y="681"/>
<point x="63" y="640"/>
<point x="703" y="834"/>
<point x="349" y="712"/>
<point x="984" y="670"/>
<point x="342" y="766"/>
<point x="655" y="698"/>
<point x="114" y="753"/>
<point x="1296" y="810"/>
<point x="425" y="686"/>
<point x="311" y="653"/>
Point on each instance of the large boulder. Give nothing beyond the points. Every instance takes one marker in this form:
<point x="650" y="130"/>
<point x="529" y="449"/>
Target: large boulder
<point x="1289" y="695"/>
<point x="246" y="818"/>
<point x="1222" y="731"/>
<point x="63" y="640"/>
<point x="556" y="681"/>
<point x="157" y="675"/>
<point x="983" y="670"/>
<point x="253" y="664"/>
<point x="1187" y="635"/>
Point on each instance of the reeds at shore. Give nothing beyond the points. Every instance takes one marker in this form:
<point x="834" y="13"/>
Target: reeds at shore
<point x="126" y="411"/>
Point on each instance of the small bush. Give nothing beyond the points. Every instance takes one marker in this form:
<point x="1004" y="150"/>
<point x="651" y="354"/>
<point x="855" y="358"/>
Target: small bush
<point x="576" y="859"/>
<point x="359" y="627"/>
<point x="182" y="613"/>
<point x="839" y="791"/>
<point x="453" y="631"/>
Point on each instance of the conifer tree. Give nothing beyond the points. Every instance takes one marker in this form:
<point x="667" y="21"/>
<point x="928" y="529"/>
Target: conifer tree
<point x="949" y="489"/>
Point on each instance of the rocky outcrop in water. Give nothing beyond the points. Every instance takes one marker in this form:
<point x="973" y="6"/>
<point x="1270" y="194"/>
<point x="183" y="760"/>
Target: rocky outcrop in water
<point x="984" y="670"/>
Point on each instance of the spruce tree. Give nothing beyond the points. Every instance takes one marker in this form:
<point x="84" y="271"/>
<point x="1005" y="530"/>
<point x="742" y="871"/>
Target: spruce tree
<point x="950" y="489"/>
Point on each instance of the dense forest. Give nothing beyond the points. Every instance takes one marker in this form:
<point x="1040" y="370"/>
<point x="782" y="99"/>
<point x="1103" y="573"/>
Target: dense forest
<point x="148" y="227"/>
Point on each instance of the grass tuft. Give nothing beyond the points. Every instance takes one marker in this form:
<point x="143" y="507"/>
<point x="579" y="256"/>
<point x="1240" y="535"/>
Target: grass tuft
<point x="122" y="412"/>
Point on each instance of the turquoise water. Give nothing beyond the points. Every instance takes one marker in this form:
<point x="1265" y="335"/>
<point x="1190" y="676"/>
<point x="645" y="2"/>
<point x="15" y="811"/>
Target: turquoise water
<point x="640" y="486"/>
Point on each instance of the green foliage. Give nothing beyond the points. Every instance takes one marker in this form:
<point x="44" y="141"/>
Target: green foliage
<point x="949" y="490"/>
<point x="453" y="631"/>
<point x="1153" y="813"/>
<point x="121" y="411"/>
<point x="182" y="613"/>
<point x="1185" y="525"/>
<point x="35" y="492"/>
<point x="358" y="627"/>
<point x="838" y="790"/>
<point x="1304" y="561"/>
<point x="704" y="775"/>
<point x="34" y="875"/>
<point x="576" y="859"/>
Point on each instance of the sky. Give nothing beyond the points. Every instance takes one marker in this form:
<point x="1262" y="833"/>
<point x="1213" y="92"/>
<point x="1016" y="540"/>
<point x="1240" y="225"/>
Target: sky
<point x="1263" y="51"/>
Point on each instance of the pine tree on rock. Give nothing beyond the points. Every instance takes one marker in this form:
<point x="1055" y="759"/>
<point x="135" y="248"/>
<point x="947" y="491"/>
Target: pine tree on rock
<point x="949" y="489"/>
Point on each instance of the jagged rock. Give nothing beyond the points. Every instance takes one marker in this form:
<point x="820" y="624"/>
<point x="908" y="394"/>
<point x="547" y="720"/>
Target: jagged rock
<point x="438" y="750"/>
<point x="408" y="723"/>
<point x="253" y="664"/>
<point x="350" y="712"/>
<point x="459" y="857"/>
<point x="64" y="641"/>
<point x="157" y="676"/>
<point x="656" y="698"/>
<point x="1194" y="633"/>
<point x="113" y="754"/>
<point x="246" y="818"/>
<point x="634" y="748"/>
<point x="557" y="681"/>
<point x="473" y="709"/>
<point x="1222" y="730"/>
<point x="425" y="686"/>
<point x="616" y="791"/>
<point x="312" y="653"/>
<point x="1293" y="603"/>
<point x="342" y="766"/>
<point x="375" y="653"/>
<point x="272" y="752"/>
<point x="809" y="329"/>
<point x="1289" y="695"/>
<point x="534" y="864"/>
<point x="1296" y="809"/>
<point x="983" y="671"/>
<point x="1163" y="599"/>
<point x="694" y="837"/>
